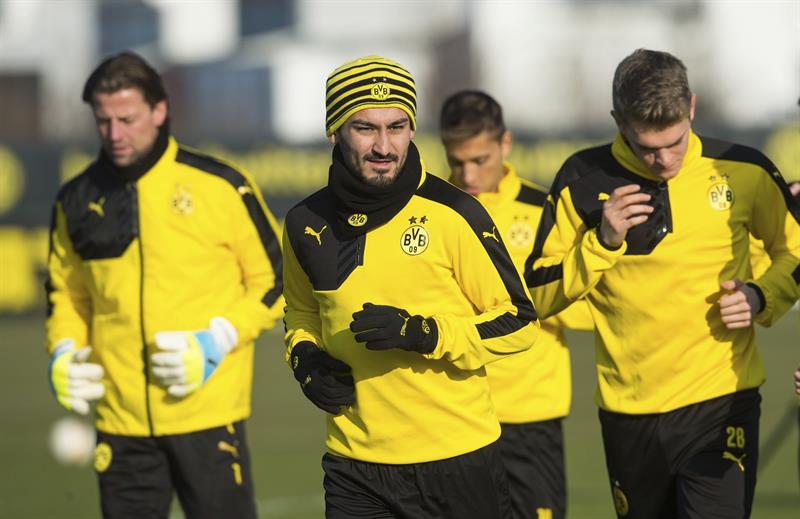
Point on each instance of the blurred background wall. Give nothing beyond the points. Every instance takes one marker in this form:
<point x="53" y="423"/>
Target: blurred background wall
<point x="246" y="81"/>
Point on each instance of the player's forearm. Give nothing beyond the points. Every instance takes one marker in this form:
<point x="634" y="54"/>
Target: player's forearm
<point x="300" y="327"/>
<point x="472" y="342"/>
<point x="779" y="287"/>
<point x="68" y="300"/>
<point x="261" y="304"/>
<point x="60" y="327"/>
<point x="778" y="225"/>
<point x="252" y="315"/>
<point x="557" y="281"/>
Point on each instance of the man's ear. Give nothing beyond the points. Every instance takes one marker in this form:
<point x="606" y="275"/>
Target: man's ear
<point x="160" y="113"/>
<point x="692" y="105"/>
<point x="506" y="140"/>
<point x="617" y="119"/>
<point x="332" y="138"/>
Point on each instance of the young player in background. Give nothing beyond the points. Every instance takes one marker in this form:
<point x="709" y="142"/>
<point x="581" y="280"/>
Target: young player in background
<point x="654" y="230"/>
<point x="531" y="390"/>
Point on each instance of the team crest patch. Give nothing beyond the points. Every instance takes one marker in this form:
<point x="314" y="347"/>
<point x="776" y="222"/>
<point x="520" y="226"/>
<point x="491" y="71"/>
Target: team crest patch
<point x="102" y="457"/>
<point x="182" y="202"/>
<point x="414" y="240"/>
<point x="380" y="91"/>
<point x="720" y="196"/>
<point x="620" y="501"/>
<point x="520" y="234"/>
<point x="357" y="219"/>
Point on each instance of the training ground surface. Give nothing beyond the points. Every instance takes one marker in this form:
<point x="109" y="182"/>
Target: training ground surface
<point x="286" y="434"/>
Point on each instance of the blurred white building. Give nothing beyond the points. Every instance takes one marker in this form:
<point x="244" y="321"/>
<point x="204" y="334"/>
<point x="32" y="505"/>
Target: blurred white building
<point x="255" y="69"/>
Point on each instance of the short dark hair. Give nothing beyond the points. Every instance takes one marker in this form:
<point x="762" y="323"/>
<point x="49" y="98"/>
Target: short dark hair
<point x="650" y="87"/>
<point x="468" y="113"/>
<point x="125" y="70"/>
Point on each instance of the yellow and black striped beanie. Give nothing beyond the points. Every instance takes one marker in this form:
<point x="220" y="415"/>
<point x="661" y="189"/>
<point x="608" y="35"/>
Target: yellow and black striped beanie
<point x="368" y="82"/>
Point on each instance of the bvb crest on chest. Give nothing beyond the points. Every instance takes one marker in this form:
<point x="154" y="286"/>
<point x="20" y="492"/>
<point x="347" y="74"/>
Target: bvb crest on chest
<point x="182" y="202"/>
<point x="720" y="194"/>
<point x="415" y="238"/>
<point x="520" y="233"/>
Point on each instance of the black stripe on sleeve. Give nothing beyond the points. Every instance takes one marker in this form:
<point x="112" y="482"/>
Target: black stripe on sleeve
<point x="500" y="326"/>
<point x="796" y="275"/>
<point x="48" y="282"/>
<point x="531" y="196"/>
<point x="268" y="238"/>
<point x="440" y="191"/>
<point x="723" y="150"/>
<point x="544" y="275"/>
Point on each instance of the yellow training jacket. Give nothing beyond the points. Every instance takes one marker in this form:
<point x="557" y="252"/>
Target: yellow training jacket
<point x="440" y="256"/>
<point x="189" y="240"/>
<point x="533" y="385"/>
<point x="660" y="342"/>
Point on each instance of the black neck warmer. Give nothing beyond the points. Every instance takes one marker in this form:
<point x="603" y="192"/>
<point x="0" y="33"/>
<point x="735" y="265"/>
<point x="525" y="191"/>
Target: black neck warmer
<point x="361" y="207"/>
<point x="136" y="170"/>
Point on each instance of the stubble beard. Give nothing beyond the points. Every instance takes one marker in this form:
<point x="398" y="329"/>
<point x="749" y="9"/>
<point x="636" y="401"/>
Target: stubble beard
<point x="383" y="179"/>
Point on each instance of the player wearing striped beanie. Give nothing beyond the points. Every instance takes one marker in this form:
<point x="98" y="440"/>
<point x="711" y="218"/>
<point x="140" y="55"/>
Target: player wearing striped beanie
<point x="398" y="291"/>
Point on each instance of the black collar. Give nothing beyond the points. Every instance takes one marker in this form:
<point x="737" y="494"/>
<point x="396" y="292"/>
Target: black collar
<point x="136" y="170"/>
<point x="361" y="207"/>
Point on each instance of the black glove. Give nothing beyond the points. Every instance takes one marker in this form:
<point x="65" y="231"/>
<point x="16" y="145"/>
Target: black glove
<point x="326" y="381"/>
<point x="383" y="327"/>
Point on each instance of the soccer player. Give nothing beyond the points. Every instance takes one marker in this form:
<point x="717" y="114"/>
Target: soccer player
<point x="399" y="290"/>
<point x="653" y="230"/>
<point x="531" y="390"/>
<point x="164" y="267"/>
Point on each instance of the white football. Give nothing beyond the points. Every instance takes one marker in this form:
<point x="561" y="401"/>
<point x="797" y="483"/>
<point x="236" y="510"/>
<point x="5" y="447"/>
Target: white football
<point x="72" y="441"/>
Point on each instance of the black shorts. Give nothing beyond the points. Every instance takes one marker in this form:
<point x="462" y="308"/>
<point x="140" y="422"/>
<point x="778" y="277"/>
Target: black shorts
<point x="209" y="470"/>
<point x="466" y="486"/>
<point x="533" y="454"/>
<point x="698" y="461"/>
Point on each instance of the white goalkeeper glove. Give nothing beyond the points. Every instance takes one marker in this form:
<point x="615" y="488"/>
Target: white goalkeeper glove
<point x="74" y="381"/>
<point x="188" y="358"/>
